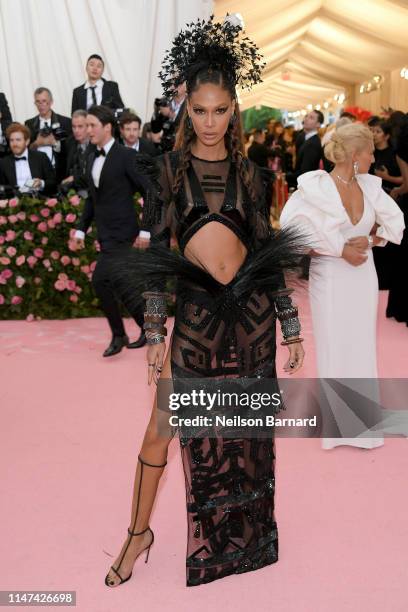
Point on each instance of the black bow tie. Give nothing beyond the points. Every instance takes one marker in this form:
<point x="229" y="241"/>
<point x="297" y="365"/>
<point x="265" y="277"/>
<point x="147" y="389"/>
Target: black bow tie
<point x="99" y="152"/>
<point x="19" y="158"/>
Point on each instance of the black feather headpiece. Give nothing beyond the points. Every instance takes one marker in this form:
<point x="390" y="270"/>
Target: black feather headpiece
<point x="216" y="46"/>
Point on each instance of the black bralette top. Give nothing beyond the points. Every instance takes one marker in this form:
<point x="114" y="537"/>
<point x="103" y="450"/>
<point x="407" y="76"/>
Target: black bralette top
<point x="209" y="191"/>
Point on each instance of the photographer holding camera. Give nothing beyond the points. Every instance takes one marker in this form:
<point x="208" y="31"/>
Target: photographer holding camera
<point x="167" y="116"/>
<point x="49" y="131"/>
<point x="24" y="170"/>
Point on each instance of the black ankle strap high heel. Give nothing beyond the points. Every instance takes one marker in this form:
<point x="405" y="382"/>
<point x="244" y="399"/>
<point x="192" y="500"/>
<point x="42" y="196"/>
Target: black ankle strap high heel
<point x="132" y="533"/>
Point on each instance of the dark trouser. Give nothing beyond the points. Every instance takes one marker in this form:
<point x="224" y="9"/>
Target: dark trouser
<point x="109" y="292"/>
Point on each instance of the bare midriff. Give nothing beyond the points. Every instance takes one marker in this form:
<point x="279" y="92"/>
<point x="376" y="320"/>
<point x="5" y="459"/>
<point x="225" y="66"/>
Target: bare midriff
<point x="218" y="250"/>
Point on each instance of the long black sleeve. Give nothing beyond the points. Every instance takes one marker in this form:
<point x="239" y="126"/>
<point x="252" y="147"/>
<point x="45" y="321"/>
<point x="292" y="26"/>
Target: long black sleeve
<point x="157" y="198"/>
<point x="87" y="215"/>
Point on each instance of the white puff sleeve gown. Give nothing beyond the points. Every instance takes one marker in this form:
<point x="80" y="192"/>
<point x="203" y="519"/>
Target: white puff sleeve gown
<point x="343" y="297"/>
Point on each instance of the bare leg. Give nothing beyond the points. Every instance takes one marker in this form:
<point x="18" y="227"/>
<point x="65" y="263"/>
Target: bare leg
<point x="150" y="466"/>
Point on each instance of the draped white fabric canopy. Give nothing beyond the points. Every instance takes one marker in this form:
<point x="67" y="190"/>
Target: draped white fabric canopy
<point x="46" y="43"/>
<point x="315" y="49"/>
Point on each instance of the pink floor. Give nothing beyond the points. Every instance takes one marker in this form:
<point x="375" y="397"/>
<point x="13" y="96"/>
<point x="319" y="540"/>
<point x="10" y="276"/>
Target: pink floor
<point x="72" y="424"/>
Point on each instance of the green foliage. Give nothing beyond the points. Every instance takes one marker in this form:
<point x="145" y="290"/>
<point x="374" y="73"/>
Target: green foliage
<point x="257" y="118"/>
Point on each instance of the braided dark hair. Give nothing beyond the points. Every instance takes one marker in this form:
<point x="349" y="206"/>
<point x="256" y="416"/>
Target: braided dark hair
<point x="233" y="137"/>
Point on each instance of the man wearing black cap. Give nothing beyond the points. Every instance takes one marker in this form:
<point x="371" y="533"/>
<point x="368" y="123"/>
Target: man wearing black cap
<point x="96" y="90"/>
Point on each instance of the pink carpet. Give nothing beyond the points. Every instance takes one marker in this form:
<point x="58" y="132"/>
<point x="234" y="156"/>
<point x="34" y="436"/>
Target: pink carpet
<point x="72" y="424"/>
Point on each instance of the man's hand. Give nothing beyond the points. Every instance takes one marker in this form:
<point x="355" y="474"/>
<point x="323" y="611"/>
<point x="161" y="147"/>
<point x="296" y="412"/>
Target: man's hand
<point x="69" y="179"/>
<point x="45" y="141"/>
<point x="37" y="183"/>
<point x="142" y="243"/>
<point x="77" y="244"/>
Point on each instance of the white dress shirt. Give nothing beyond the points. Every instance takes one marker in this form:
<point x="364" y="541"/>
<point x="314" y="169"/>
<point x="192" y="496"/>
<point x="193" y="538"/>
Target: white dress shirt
<point x="135" y="146"/>
<point x="175" y="107"/>
<point x="98" y="92"/>
<point x="99" y="162"/>
<point x="48" y="149"/>
<point x="23" y="172"/>
<point x="96" y="174"/>
<point x="310" y="134"/>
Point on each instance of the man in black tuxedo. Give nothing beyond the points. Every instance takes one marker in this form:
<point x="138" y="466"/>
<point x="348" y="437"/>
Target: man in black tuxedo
<point x="78" y="150"/>
<point x="5" y="120"/>
<point x="24" y="166"/>
<point x="129" y="125"/>
<point x="113" y="181"/>
<point x="96" y="90"/>
<point x="49" y="131"/>
<point x="310" y="151"/>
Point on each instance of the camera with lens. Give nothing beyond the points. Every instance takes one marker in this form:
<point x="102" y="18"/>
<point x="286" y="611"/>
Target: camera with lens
<point x="161" y="102"/>
<point x="56" y="130"/>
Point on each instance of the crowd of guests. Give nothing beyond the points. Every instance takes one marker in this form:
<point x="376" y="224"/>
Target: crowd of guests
<point x="283" y="149"/>
<point x="294" y="152"/>
<point x="47" y="153"/>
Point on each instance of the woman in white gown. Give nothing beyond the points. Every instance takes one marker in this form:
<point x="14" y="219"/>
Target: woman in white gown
<point x="345" y="213"/>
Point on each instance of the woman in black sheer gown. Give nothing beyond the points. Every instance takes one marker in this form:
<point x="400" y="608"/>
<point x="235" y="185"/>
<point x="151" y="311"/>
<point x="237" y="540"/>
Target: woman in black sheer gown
<point x="230" y="290"/>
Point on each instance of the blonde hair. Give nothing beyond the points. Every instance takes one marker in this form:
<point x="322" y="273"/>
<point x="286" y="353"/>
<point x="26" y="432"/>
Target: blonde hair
<point x="346" y="140"/>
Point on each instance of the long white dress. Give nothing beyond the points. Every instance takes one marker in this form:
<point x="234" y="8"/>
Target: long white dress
<point x="343" y="297"/>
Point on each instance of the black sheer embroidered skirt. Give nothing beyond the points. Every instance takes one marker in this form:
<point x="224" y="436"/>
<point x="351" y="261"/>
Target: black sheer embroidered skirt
<point x="230" y="482"/>
<point x="224" y="331"/>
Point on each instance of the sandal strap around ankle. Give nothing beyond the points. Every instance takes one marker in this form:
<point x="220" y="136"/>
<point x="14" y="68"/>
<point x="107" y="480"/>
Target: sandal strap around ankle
<point x="135" y="533"/>
<point x="151" y="464"/>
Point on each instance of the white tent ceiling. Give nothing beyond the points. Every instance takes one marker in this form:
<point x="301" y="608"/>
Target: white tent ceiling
<point x="315" y="49"/>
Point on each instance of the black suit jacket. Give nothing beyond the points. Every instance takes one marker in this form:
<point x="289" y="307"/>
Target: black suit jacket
<point x="112" y="204"/>
<point x="145" y="146"/>
<point x="259" y="154"/>
<point x="60" y="158"/>
<point x="309" y="155"/>
<point x="40" y="167"/>
<point x="299" y="139"/>
<point x="6" y="118"/>
<point x="110" y="96"/>
<point x="34" y="124"/>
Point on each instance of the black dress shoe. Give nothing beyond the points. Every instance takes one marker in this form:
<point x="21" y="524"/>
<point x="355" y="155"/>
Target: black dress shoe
<point x="117" y="344"/>
<point x="141" y="341"/>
